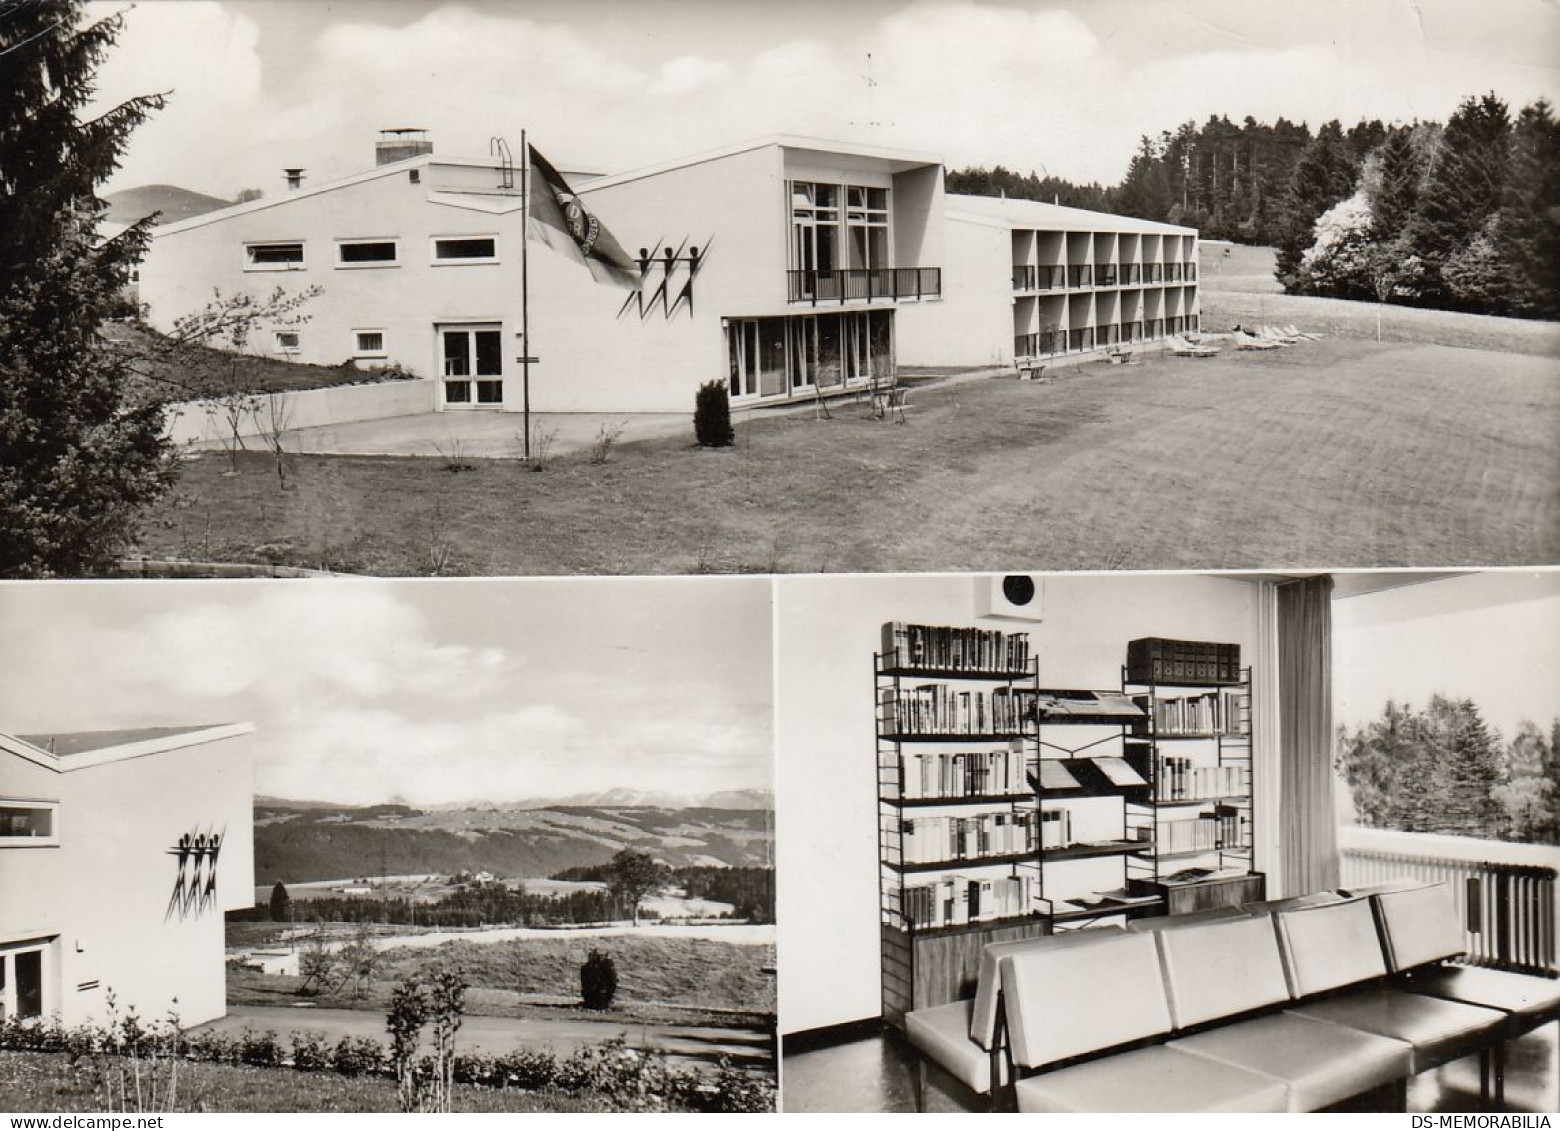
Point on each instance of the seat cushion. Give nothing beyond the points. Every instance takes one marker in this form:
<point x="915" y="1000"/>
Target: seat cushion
<point x="983" y="1021"/>
<point x="1222" y="968"/>
<point x="942" y="1035"/>
<point x="1151" y="1080"/>
<point x="1330" y="945"/>
<point x="1534" y="1000"/>
<point x="1418" y="925"/>
<point x="1320" y="1062"/>
<point x="1437" y="1030"/>
<point x="1090" y="997"/>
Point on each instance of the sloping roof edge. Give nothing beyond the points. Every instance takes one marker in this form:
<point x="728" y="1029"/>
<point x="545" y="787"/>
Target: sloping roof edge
<point x="124" y="752"/>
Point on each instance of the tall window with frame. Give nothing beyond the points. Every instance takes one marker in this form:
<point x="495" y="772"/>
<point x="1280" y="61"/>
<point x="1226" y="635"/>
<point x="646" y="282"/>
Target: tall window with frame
<point x="815" y="235"/>
<point x="22" y="993"/>
<point x="866" y="227"/>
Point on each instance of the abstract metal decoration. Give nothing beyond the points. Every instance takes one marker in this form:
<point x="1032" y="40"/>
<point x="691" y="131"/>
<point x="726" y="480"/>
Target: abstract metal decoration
<point x="675" y="289"/>
<point x="195" y="882"/>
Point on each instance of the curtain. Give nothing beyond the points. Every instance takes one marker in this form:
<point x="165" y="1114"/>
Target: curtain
<point x="1308" y="841"/>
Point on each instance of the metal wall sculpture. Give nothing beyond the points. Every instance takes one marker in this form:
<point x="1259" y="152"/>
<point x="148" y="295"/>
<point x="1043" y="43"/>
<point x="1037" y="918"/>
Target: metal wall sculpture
<point x="195" y="882"/>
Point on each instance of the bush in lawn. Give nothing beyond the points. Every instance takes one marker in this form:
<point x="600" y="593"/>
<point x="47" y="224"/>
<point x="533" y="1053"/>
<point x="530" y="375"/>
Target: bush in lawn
<point x="598" y="980"/>
<point x="358" y="1056"/>
<point x="260" y="1050"/>
<point x="311" y="1053"/>
<point x="526" y="1068"/>
<point x="712" y="416"/>
<point x="214" y="1047"/>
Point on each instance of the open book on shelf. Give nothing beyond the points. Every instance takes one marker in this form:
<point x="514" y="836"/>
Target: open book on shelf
<point x="1081" y="705"/>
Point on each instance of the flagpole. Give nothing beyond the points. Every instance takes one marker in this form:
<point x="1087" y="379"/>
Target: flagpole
<point x="525" y="291"/>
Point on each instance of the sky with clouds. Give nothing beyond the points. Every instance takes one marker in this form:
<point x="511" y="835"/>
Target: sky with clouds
<point x="1065" y="88"/>
<point x="435" y="693"/>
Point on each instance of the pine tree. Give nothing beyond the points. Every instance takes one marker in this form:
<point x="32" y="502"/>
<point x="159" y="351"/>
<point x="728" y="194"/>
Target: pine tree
<point x="281" y="904"/>
<point x="1527" y="227"/>
<point x="1323" y="176"/>
<point x="1463" y="187"/>
<point x="79" y="457"/>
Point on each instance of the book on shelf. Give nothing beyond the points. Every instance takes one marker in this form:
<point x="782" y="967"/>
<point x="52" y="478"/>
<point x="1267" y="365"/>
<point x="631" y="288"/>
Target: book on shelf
<point x="937" y="709"/>
<point x="1055" y="827"/>
<point x="935" y="839"/>
<point x="945" y="648"/>
<point x="1119" y="772"/>
<point x="1182" y="779"/>
<point x="1224" y="828"/>
<point x="1216" y="713"/>
<point x="934" y="775"/>
<point x="955" y="901"/>
<point x="1075" y="704"/>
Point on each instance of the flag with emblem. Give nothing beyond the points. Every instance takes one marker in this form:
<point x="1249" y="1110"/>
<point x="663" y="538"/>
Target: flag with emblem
<point x="557" y="217"/>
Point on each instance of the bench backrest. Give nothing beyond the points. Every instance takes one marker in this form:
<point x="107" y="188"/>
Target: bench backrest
<point x="1330" y="945"/>
<point x="983" y="1018"/>
<point x="1418" y="925"/>
<point x="1221" y="968"/>
<point x="1061" y="1002"/>
<point x="1181" y="922"/>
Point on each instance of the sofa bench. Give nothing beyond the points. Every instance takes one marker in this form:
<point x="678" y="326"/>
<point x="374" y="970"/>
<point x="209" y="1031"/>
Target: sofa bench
<point x="1292" y="1005"/>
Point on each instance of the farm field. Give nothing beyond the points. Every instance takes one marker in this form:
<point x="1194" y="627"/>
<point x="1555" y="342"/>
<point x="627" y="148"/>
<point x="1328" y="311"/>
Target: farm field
<point x="1345" y="452"/>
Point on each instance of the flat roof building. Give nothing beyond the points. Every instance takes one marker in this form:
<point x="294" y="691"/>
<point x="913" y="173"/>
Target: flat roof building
<point x="119" y="853"/>
<point x="786" y="267"/>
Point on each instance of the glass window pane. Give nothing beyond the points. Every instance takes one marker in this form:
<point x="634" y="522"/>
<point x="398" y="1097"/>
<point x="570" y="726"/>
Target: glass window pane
<point x="457" y="392"/>
<point x="465" y="249"/>
<point x="829" y="370"/>
<point x="490" y="353"/>
<point x="276" y="253"/>
<point x="370" y="341"/>
<point x="29" y="983"/>
<point x="457" y="354"/>
<point x="28" y="821"/>
<point x="490" y="392"/>
<point x="368" y="252"/>
<point x="771" y="356"/>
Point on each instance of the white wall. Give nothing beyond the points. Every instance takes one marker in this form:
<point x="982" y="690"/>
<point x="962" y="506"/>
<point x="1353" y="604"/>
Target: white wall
<point x="827" y="631"/>
<point x="204" y="422"/>
<point x="973" y="323"/>
<point x="103" y="893"/>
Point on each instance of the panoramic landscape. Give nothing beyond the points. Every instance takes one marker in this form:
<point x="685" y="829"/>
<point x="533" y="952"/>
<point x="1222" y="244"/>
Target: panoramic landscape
<point x="415" y="865"/>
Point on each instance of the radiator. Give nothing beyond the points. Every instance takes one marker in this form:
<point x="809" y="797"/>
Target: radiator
<point x="1507" y="910"/>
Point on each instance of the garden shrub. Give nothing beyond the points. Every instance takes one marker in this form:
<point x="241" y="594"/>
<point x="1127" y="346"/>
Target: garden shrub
<point x="712" y="416"/>
<point x="358" y="1056"/>
<point x="310" y="1053"/>
<point x="260" y="1050"/>
<point x="598" y="980"/>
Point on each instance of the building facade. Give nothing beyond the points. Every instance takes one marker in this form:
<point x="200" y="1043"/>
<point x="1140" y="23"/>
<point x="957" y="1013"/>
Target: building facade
<point x="119" y="854"/>
<point x="784" y="267"/>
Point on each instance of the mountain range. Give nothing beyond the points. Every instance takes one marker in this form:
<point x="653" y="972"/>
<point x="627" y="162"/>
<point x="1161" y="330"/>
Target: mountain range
<point x="299" y="841"/>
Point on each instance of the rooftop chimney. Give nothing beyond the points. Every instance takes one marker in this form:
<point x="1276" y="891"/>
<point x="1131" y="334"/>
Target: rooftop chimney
<point x="294" y="178"/>
<point x="400" y="143"/>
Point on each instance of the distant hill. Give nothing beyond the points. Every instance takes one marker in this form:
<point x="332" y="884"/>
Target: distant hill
<point x="129" y="205"/>
<point x="298" y="841"/>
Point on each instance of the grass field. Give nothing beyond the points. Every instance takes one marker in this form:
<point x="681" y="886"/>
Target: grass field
<point x="49" y="1082"/>
<point x="1338" y="453"/>
<point x="658" y="979"/>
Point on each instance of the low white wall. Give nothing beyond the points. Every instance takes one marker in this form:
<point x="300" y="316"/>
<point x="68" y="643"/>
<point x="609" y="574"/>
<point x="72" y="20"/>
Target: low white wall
<point x="204" y="423"/>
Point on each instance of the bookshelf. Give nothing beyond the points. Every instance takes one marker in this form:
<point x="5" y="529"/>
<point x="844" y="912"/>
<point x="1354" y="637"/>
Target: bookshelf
<point x="1194" y="747"/>
<point x="958" y="821"/>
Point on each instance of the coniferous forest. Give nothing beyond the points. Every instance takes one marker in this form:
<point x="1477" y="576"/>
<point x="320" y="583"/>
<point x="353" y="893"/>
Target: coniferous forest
<point x="1463" y="215"/>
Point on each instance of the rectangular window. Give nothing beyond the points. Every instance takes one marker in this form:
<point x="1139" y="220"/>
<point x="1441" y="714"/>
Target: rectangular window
<point x="466" y="249"/>
<point x="370" y="343"/>
<point x="28" y="823"/>
<point x="367" y="253"/>
<point x="274" y="256"/>
<point x="287" y="341"/>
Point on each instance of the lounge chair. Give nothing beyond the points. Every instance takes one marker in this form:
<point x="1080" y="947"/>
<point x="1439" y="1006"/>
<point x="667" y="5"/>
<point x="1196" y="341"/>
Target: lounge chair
<point x="1245" y="341"/>
<point x="1274" y="334"/>
<point x="1181" y="347"/>
<point x="1309" y="335"/>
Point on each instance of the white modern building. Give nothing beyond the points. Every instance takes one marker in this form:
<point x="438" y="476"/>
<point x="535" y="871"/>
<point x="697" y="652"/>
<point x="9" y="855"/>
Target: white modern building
<point x="119" y="853"/>
<point x="786" y="267"/>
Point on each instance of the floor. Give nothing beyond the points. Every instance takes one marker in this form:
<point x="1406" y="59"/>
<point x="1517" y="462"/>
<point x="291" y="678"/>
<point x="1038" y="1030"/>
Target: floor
<point x="874" y="1074"/>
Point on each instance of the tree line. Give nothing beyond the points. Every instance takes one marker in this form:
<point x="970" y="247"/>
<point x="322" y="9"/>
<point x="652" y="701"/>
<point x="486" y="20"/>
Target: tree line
<point x="1463" y="215"/>
<point x="1444" y="769"/>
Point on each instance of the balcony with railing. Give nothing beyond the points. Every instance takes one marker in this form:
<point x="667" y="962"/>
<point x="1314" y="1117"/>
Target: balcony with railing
<point x="1027" y="277"/>
<point x="1131" y="274"/>
<point x="863" y="284"/>
<point x="1505" y="893"/>
<point x="1080" y="275"/>
<point x="1106" y="274"/>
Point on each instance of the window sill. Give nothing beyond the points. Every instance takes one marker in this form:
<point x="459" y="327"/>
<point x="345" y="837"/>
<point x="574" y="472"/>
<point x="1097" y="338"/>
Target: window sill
<point x="365" y="266"/>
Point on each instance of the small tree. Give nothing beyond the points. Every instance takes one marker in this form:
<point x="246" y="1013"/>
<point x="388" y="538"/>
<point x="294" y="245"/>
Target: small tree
<point x="281" y="904"/>
<point x="632" y="875"/>
<point x="712" y="416"/>
<point x="598" y="980"/>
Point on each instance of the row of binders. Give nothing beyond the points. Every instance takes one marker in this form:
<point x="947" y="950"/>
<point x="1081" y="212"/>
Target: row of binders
<point x="938" y="709"/>
<point x="977" y="773"/>
<point x="1181" y="780"/>
<point x="956" y="900"/>
<point x="931" y="840"/>
<point x="973" y="650"/>
<point x="1226" y="827"/>
<point x="1217" y="712"/>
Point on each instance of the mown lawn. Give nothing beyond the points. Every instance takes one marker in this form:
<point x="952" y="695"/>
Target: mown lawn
<point x="49" y="1082"/>
<point x="1337" y="453"/>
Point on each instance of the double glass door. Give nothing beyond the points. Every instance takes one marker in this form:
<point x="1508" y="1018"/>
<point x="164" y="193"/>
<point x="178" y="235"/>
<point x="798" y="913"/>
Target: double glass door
<point x="21" y="983"/>
<point x="472" y="362"/>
